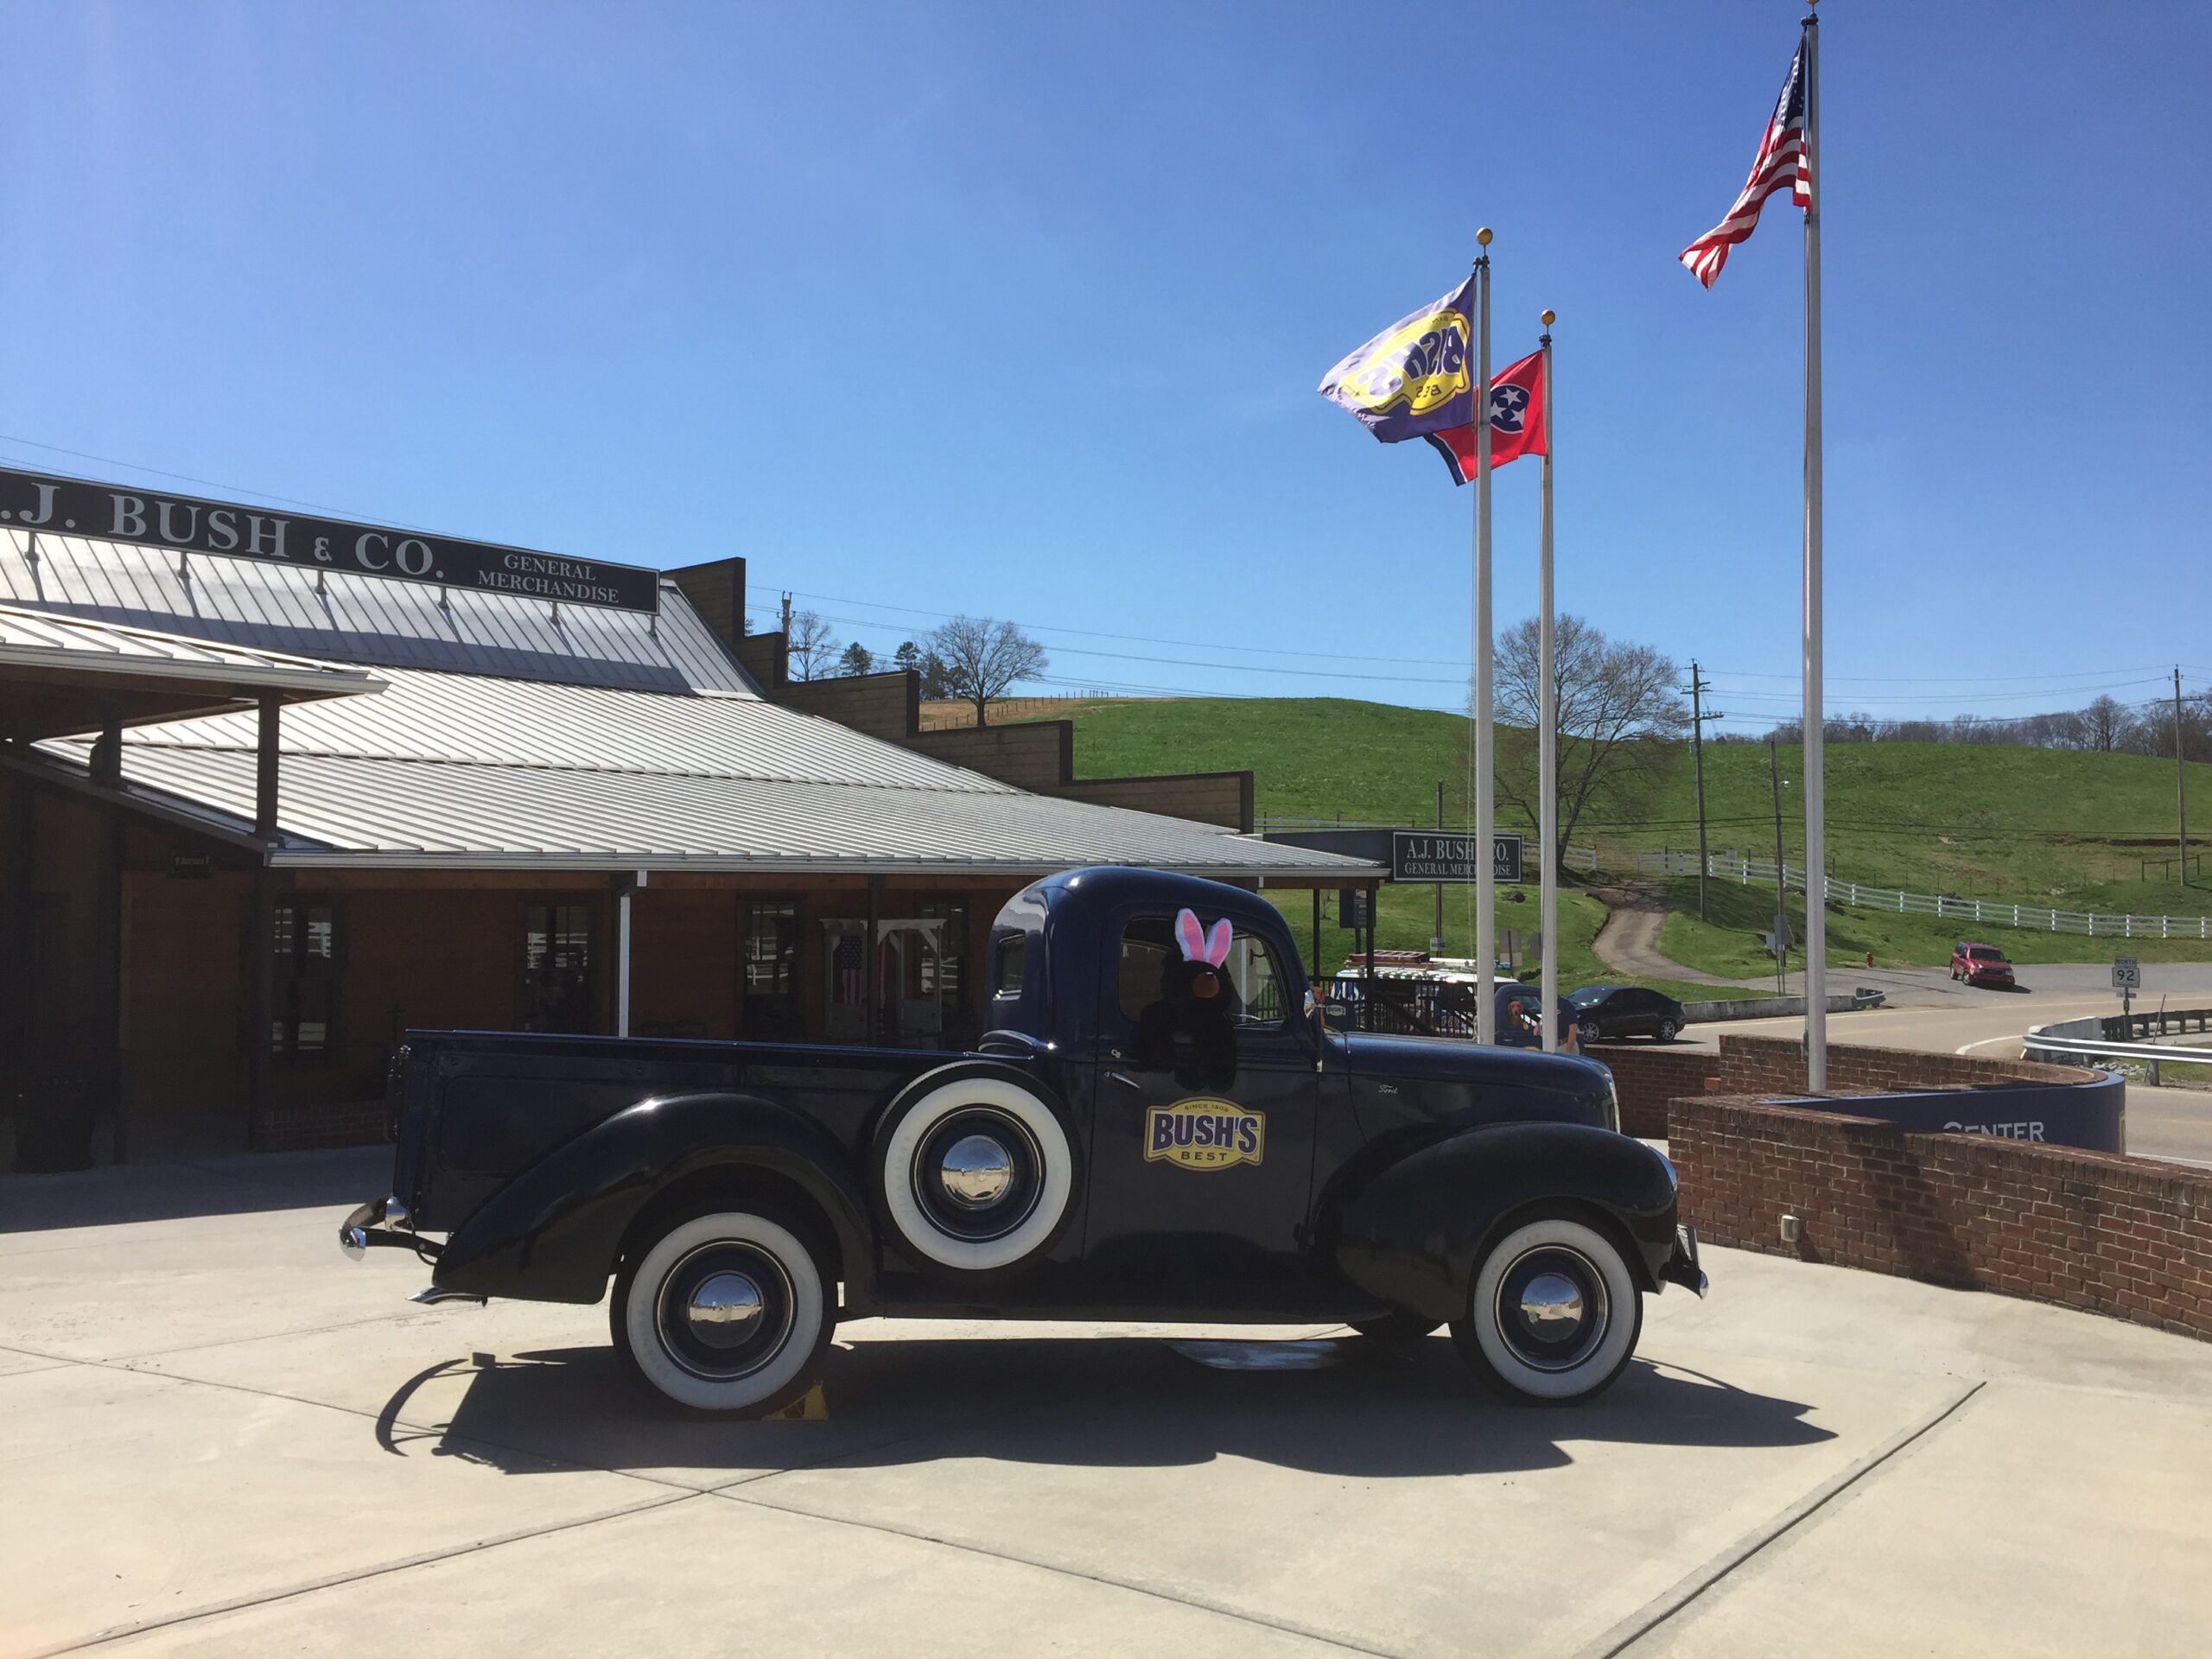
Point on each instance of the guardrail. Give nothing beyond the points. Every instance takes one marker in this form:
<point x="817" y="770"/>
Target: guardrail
<point x="2056" y="1042"/>
<point x="1987" y="912"/>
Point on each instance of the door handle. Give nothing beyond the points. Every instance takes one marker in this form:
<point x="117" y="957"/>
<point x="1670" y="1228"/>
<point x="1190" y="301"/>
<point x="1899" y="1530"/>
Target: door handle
<point x="1125" y="1080"/>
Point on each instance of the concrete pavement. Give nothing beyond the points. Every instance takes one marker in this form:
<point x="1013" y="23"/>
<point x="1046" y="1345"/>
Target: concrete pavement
<point x="218" y="1436"/>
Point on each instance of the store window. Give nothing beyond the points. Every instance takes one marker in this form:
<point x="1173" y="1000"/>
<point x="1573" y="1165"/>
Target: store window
<point x="304" y="991"/>
<point x="556" y="968"/>
<point x="771" y="1001"/>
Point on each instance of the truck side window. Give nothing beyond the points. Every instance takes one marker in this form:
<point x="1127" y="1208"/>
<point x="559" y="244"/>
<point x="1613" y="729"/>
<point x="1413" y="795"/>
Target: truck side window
<point x="1148" y="947"/>
<point x="1007" y="962"/>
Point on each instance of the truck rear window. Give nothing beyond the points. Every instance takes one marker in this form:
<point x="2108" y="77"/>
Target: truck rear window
<point x="1006" y="965"/>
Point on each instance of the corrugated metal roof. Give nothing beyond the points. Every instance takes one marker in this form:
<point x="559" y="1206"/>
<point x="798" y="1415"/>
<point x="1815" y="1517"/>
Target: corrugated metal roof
<point x="471" y="718"/>
<point x="598" y="743"/>
<point x="344" y="811"/>
<point x="358" y="618"/>
<point x="48" y="638"/>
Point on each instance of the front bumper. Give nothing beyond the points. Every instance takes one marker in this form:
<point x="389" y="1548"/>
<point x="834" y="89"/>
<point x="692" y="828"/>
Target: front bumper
<point x="361" y="1232"/>
<point x="1681" y="1267"/>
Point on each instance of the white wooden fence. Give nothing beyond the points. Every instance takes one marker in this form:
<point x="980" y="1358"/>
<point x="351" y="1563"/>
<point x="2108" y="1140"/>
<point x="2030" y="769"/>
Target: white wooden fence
<point x="1859" y="895"/>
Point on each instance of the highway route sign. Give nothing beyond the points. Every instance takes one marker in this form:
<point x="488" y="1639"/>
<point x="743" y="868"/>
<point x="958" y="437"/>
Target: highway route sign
<point x="2126" y="973"/>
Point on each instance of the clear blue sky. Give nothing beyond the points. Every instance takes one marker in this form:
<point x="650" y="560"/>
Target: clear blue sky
<point x="1019" y="309"/>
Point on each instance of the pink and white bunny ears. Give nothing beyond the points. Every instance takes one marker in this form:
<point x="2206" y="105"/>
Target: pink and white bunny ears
<point x="1199" y="945"/>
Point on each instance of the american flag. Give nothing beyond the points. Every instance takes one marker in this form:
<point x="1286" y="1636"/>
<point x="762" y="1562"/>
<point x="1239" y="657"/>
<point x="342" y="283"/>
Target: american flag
<point x="851" y="962"/>
<point x="1784" y="163"/>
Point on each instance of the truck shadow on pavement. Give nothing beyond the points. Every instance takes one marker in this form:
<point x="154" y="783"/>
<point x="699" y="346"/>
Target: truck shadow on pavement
<point x="1103" y="1401"/>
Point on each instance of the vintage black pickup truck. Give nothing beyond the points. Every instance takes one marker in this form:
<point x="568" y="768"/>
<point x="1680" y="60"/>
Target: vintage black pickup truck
<point x="1160" y="1126"/>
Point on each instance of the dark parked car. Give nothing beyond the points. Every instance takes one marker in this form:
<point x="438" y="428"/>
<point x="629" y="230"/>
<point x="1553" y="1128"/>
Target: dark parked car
<point x="1159" y="1125"/>
<point x="1613" y="1011"/>
<point x="1980" y="964"/>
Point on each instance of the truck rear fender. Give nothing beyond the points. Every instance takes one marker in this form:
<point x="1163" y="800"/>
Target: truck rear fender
<point x="1413" y="1233"/>
<point x="555" y="1232"/>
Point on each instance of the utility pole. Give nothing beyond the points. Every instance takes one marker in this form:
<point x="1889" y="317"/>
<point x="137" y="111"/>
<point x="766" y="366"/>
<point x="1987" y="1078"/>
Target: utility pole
<point x="787" y="617"/>
<point x="1699" y="686"/>
<point x="1780" y="885"/>
<point x="2180" y="782"/>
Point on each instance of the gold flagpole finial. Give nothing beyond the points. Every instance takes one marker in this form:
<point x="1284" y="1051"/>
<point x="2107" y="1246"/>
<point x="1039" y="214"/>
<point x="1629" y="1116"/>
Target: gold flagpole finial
<point x="1482" y="237"/>
<point x="1550" y="317"/>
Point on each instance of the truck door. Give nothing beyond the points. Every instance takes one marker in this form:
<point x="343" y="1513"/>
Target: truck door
<point x="1203" y="1123"/>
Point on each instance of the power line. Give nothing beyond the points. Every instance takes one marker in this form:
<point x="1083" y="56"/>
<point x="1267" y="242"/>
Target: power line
<point x="209" y="483"/>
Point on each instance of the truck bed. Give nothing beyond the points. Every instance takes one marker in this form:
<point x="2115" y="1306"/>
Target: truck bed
<point x="470" y="1109"/>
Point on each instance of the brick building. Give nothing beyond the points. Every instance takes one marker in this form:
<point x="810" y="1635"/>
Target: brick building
<point x="256" y="820"/>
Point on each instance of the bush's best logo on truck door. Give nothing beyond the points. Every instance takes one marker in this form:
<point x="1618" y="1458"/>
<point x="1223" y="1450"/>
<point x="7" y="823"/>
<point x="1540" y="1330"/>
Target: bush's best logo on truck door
<point x="1202" y="1133"/>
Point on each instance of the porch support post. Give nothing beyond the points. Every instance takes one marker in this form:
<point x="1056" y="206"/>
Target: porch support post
<point x="874" y="917"/>
<point x="1374" y="915"/>
<point x="261" y="997"/>
<point x="108" y="1030"/>
<point x="264" y="770"/>
<point x="623" y="891"/>
<point x="261" y="946"/>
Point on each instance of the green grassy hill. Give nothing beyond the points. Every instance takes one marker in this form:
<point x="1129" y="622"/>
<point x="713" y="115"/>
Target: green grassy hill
<point x="2038" y="827"/>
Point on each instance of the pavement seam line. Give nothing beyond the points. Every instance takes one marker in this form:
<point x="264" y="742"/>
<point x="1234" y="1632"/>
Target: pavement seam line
<point x="1198" y="1603"/>
<point x="1653" y="1613"/>
<point x="428" y="1558"/>
<point x="417" y="1315"/>
<point x="445" y="1431"/>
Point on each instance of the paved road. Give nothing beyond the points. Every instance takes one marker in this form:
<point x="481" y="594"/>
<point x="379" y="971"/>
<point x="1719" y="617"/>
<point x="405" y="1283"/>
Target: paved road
<point x="1949" y="1018"/>
<point x="219" y="1438"/>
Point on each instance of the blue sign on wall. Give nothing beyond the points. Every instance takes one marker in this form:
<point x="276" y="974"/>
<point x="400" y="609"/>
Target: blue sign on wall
<point x="2090" y="1115"/>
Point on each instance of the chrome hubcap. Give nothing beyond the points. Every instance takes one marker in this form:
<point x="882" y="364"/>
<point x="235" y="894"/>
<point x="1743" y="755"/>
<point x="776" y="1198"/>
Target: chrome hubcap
<point x="1552" y="1303"/>
<point x="724" y="1309"/>
<point x="1552" y="1308"/>
<point x="977" y="1171"/>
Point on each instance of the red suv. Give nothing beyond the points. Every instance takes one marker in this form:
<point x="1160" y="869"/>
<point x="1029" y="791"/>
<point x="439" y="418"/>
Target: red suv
<point x="1980" y="964"/>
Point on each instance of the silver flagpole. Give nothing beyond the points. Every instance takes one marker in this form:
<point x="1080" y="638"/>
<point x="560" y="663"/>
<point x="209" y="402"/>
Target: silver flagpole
<point x="1816" y="943"/>
<point x="1486" y="873"/>
<point x="1547" y="731"/>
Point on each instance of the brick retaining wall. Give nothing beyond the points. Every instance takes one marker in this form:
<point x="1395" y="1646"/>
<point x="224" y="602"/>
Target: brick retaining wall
<point x="1776" y="1065"/>
<point x="1646" y="1076"/>
<point x="314" y="1127"/>
<point x="2127" y="1236"/>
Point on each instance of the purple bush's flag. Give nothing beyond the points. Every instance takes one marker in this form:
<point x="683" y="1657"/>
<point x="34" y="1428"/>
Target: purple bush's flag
<point x="1416" y="377"/>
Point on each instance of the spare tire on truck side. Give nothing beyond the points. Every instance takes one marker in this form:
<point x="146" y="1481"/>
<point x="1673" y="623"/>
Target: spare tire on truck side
<point x="973" y="1169"/>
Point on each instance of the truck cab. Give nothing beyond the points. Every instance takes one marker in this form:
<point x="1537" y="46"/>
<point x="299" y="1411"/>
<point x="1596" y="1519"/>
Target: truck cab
<point x="1158" y="1124"/>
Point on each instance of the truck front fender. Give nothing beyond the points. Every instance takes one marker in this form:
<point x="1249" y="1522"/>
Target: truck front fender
<point x="1414" y="1234"/>
<point x="553" y="1232"/>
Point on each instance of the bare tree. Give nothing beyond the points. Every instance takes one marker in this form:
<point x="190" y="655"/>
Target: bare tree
<point x="811" y="648"/>
<point x="979" y="657"/>
<point x="2105" y="723"/>
<point x="1619" y="713"/>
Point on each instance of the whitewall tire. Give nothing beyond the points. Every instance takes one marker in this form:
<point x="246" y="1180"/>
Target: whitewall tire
<point x="1555" y="1314"/>
<point x="974" y="1174"/>
<point x="728" y="1311"/>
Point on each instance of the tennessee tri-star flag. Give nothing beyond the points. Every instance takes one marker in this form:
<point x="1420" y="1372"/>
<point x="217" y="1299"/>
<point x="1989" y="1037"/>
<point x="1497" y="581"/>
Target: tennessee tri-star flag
<point x="1517" y="421"/>
<point x="1785" y="163"/>
<point x="1416" y="377"/>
